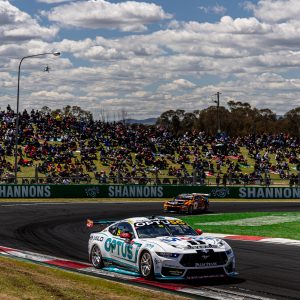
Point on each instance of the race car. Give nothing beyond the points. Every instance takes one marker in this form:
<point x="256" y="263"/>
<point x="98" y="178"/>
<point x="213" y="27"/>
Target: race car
<point x="187" y="203"/>
<point x="160" y="247"/>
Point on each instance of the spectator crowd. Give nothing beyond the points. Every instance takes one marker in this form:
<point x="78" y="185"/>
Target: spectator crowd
<point x="68" y="149"/>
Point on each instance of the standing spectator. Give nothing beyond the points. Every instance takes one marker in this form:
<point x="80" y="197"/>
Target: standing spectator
<point x="224" y="181"/>
<point x="218" y="179"/>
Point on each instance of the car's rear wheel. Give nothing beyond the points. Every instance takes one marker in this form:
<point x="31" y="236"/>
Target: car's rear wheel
<point x="146" y="265"/>
<point x="96" y="257"/>
<point x="206" y="206"/>
<point x="190" y="210"/>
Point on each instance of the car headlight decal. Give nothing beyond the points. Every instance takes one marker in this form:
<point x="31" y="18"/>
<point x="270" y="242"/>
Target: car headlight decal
<point x="229" y="252"/>
<point x="167" y="254"/>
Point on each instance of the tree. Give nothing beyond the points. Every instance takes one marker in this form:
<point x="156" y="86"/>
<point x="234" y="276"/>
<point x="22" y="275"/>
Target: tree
<point x="45" y="110"/>
<point x="74" y="111"/>
<point x="242" y="117"/>
<point x="239" y="120"/>
<point x="265" y="121"/>
<point x="165" y="119"/>
<point x="293" y="121"/>
<point x="188" y="122"/>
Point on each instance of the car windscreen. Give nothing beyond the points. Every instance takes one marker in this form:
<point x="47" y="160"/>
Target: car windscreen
<point x="183" y="229"/>
<point x="183" y="198"/>
<point x="157" y="228"/>
<point x="152" y="231"/>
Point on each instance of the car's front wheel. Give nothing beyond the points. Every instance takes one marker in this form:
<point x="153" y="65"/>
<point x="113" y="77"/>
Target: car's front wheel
<point x="96" y="257"/>
<point x="146" y="265"/>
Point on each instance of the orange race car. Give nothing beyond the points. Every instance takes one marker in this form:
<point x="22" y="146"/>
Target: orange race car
<point x="187" y="203"/>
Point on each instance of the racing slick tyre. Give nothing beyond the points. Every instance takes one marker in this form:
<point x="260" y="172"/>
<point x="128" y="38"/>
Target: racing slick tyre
<point x="206" y="207"/>
<point x="146" y="265"/>
<point x="96" y="257"/>
<point x="190" y="210"/>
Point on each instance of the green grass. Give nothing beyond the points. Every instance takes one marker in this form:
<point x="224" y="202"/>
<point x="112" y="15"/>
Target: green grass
<point x="23" y="280"/>
<point x="287" y="228"/>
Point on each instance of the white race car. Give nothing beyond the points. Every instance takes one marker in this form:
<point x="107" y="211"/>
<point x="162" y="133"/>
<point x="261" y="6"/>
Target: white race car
<point x="161" y="248"/>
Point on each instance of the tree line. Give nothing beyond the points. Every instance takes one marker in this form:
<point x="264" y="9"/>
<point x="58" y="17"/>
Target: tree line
<point x="239" y="119"/>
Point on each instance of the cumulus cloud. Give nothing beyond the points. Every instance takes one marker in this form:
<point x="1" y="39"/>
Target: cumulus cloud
<point x="179" y="66"/>
<point x="176" y="85"/>
<point x="216" y="9"/>
<point x="96" y="14"/>
<point x="275" y="11"/>
<point x="54" y="1"/>
<point x="16" y="25"/>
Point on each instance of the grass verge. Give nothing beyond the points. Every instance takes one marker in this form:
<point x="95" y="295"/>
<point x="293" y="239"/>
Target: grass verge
<point x="23" y="280"/>
<point x="268" y="224"/>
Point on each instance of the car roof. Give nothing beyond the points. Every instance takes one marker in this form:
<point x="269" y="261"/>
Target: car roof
<point x="187" y="195"/>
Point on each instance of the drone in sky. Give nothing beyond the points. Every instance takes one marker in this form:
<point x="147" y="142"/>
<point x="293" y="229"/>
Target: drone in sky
<point x="46" y="69"/>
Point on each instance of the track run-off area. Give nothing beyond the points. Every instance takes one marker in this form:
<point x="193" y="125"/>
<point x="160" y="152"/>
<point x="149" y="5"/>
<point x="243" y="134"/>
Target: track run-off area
<point x="266" y="270"/>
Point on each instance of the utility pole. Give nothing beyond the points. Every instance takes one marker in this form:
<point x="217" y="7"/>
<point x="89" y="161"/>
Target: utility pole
<point x="218" y="111"/>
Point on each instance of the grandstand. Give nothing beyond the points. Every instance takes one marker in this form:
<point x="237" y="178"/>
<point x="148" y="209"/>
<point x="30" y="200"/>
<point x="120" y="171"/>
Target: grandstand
<point x="63" y="148"/>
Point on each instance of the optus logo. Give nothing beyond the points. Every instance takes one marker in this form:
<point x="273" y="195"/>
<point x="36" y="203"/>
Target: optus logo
<point x="119" y="248"/>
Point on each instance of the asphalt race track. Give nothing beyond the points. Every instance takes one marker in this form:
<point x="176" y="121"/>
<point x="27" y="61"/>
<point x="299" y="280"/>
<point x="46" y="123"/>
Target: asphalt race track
<point x="58" y="229"/>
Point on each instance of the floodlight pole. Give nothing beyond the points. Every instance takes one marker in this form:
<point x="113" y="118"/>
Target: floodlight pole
<point x="218" y="111"/>
<point x="17" y="115"/>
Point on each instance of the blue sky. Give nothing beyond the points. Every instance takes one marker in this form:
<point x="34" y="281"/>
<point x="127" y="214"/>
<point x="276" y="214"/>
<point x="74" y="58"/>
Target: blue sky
<point x="146" y="57"/>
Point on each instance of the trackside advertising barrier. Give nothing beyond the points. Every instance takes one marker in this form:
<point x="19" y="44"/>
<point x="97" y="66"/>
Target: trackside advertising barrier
<point x="144" y="191"/>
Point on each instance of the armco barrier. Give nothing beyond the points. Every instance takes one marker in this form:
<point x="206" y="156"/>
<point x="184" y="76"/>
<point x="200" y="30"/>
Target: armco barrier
<point x="143" y="191"/>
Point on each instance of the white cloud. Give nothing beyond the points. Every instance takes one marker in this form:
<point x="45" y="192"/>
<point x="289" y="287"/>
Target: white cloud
<point x="248" y="59"/>
<point x="276" y="10"/>
<point x="216" y="9"/>
<point x="96" y="14"/>
<point x="54" y="1"/>
<point x="19" y="26"/>
<point x="176" y="85"/>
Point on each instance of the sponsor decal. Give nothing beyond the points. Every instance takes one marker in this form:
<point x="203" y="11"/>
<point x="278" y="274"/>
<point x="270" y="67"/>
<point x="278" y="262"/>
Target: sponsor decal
<point x="135" y="191"/>
<point x="149" y="246"/>
<point x="205" y="276"/>
<point x="92" y="191"/>
<point x="25" y="191"/>
<point x="176" y="272"/>
<point x="269" y="193"/>
<point x="198" y="265"/>
<point x="159" y="222"/>
<point x="220" y="192"/>
<point x="170" y="239"/>
<point x="119" y="248"/>
<point x="202" y="246"/>
<point x="97" y="238"/>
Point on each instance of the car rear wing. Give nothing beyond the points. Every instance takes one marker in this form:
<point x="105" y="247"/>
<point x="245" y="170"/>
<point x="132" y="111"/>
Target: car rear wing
<point x="91" y="223"/>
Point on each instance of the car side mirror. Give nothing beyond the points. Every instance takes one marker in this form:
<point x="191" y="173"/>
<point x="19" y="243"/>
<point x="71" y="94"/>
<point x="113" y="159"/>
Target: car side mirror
<point x="126" y="235"/>
<point x="199" y="231"/>
<point x="89" y="223"/>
